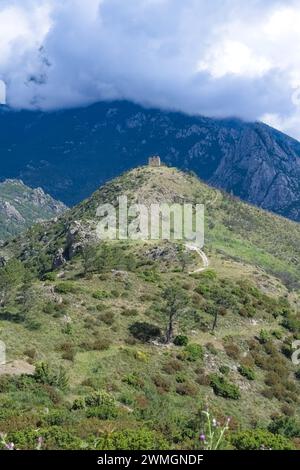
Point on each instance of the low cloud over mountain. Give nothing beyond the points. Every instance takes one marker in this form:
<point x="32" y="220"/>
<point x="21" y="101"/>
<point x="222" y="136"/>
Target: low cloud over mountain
<point x="218" y="58"/>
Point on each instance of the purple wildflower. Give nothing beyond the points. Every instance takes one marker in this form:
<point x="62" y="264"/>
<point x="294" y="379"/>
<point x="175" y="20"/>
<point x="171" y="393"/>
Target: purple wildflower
<point x="10" y="446"/>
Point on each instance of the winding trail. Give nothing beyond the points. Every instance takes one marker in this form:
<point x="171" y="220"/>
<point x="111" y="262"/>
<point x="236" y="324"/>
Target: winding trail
<point x="202" y="255"/>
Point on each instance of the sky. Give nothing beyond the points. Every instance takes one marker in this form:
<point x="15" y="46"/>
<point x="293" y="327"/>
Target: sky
<point x="218" y="58"/>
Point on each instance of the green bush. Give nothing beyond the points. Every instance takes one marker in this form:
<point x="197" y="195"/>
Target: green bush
<point x="54" y="437"/>
<point x="247" y="372"/>
<point x="264" y="336"/>
<point x="224" y="370"/>
<point x="134" y="380"/>
<point x="292" y="323"/>
<point x="260" y="439"/>
<point x="65" y="287"/>
<point x="100" y="295"/>
<point x="144" y="331"/>
<point x="286" y="426"/>
<point x="55" y="309"/>
<point x="209" y="274"/>
<point x="181" y="340"/>
<point x="224" y="388"/>
<point x="132" y="439"/>
<point x="193" y="352"/>
<point x="51" y="276"/>
<point x="45" y="375"/>
<point x="105" y="411"/>
<point x="95" y="399"/>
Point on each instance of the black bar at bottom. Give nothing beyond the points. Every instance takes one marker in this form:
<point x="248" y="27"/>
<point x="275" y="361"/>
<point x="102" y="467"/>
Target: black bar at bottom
<point x="136" y="459"/>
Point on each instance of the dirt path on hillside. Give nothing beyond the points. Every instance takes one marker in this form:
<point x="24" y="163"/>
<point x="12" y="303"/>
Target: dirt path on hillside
<point x="202" y="255"/>
<point x="17" y="367"/>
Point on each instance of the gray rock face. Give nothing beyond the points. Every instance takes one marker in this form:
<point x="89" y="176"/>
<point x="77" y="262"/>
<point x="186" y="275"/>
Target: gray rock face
<point x="22" y="206"/>
<point x="59" y="259"/>
<point x="80" y="235"/>
<point x="263" y="171"/>
<point x="10" y="212"/>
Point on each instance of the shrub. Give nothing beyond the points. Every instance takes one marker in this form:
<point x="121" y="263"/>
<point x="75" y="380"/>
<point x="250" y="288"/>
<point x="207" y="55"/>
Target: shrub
<point x="56" y="378"/>
<point x="209" y="274"/>
<point x="202" y="377"/>
<point x="54" y="309"/>
<point x="291" y="323"/>
<point x="286" y="426"/>
<point x="54" y="437"/>
<point x="172" y="366"/>
<point x="187" y="388"/>
<point x="103" y="412"/>
<point x="224" y="370"/>
<point x="224" y="388"/>
<point x="57" y="417"/>
<point x="141" y="356"/>
<point x="30" y="352"/>
<point x="94" y="400"/>
<point x="134" y="380"/>
<point x="232" y="350"/>
<point x="297" y="374"/>
<point x="100" y="295"/>
<point x="107" y="317"/>
<point x="180" y="377"/>
<point x="277" y="334"/>
<point x="33" y="324"/>
<point x="144" y="331"/>
<point x="65" y="287"/>
<point x="181" y="340"/>
<point x="264" y="336"/>
<point x="260" y="439"/>
<point x="162" y="383"/>
<point x="69" y="355"/>
<point x="68" y="351"/>
<point x="129" y="312"/>
<point x="132" y="439"/>
<point x="51" y="276"/>
<point x="193" y="352"/>
<point x="247" y="372"/>
<point x="101" y="344"/>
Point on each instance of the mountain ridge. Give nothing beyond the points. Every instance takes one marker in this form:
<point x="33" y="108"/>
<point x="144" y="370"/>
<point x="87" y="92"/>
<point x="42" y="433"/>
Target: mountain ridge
<point x="251" y="160"/>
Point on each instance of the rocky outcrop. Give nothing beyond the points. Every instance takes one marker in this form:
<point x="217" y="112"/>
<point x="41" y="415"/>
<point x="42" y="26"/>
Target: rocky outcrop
<point x="21" y="207"/>
<point x="10" y="212"/>
<point x="80" y="235"/>
<point x="59" y="259"/>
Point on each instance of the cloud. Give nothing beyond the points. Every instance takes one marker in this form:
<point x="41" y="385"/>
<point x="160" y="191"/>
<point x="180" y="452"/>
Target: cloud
<point x="218" y="58"/>
<point x="2" y="92"/>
